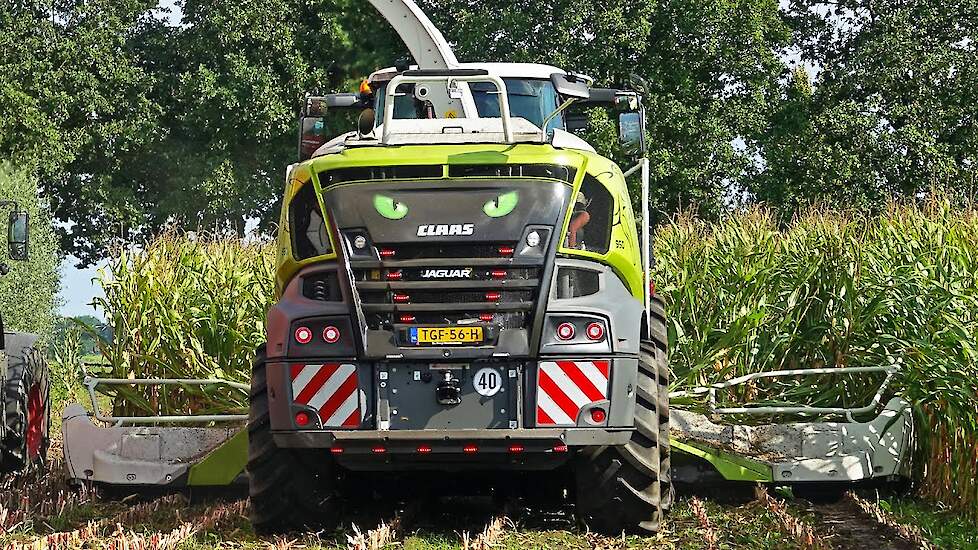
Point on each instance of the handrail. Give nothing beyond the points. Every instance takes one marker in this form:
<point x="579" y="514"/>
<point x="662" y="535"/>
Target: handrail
<point x="849" y="412"/>
<point x="91" y="383"/>
<point x="448" y="79"/>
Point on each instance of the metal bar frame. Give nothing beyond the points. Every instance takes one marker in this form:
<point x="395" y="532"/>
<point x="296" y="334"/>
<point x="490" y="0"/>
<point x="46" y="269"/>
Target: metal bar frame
<point x="849" y="412"/>
<point x="91" y="383"/>
<point x="644" y="167"/>
<point x="391" y="94"/>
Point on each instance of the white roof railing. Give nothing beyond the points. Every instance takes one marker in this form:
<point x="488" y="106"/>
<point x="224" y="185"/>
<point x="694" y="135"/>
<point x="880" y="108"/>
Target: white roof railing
<point x="450" y="79"/>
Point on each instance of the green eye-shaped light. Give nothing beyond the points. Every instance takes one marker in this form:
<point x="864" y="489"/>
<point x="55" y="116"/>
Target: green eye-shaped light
<point x="501" y="205"/>
<point x="390" y="208"/>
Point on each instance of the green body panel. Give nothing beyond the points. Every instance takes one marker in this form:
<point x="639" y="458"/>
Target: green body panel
<point x="623" y="255"/>
<point x="732" y="467"/>
<point x="222" y="465"/>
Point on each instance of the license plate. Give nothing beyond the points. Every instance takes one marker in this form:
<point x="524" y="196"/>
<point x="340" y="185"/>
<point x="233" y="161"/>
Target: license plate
<point x="446" y="335"/>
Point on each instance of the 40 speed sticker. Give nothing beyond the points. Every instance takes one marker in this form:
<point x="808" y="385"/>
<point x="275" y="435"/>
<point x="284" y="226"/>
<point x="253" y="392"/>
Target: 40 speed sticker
<point x="487" y="381"/>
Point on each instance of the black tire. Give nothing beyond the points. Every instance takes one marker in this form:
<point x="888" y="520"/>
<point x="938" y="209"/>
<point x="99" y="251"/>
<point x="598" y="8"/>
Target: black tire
<point x="628" y="488"/>
<point x="290" y="489"/>
<point x="27" y="406"/>
<point x="660" y="339"/>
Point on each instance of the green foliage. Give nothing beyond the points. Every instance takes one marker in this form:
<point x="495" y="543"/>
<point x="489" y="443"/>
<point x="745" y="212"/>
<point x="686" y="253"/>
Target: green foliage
<point x="837" y="289"/>
<point x="892" y="108"/>
<point x="942" y="527"/>
<point x="28" y="294"/>
<point x="712" y="67"/>
<point x="69" y="327"/>
<point x="191" y="124"/>
<point x="194" y="123"/>
<point x="185" y="306"/>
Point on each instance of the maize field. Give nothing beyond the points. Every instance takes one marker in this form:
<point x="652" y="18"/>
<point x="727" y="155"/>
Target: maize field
<point x="746" y="294"/>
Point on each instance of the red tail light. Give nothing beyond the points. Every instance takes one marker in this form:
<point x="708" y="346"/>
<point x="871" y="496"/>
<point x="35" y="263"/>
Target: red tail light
<point x="379" y="450"/>
<point x="470" y="449"/>
<point x="387" y="253"/>
<point x="331" y="334"/>
<point x="516" y="449"/>
<point x="598" y="416"/>
<point x="595" y="331"/>
<point x="302" y="419"/>
<point x="565" y="331"/>
<point x="493" y="296"/>
<point x="487" y="317"/>
<point x="407" y="318"/>
<point x="506" y="250"/>
<point x="401" y="298"/>
<point x="303" y="335"/>
<point x="498" y="273"/>
<point x="424" y="449"/>
<point x="394" y="275"/>
<point x="560" y="448"/>
<point x="336" y="450"/>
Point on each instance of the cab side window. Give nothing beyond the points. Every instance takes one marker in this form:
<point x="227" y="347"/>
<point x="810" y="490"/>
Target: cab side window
<point x="310" y="237"/>
<point x="591" y="214"/>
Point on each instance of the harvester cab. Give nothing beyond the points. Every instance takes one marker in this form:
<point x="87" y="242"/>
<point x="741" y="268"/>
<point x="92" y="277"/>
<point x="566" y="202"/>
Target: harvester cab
<point x="24" y="384"/>
<point x="462" y="286"/>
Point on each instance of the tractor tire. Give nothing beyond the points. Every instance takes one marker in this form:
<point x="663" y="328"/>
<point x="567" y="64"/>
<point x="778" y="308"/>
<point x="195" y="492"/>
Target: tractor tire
<point x="27" y="406"/>
<point x="628" y="488"/>
<point x="290" y="489"/>
<point x="660" y="339"/>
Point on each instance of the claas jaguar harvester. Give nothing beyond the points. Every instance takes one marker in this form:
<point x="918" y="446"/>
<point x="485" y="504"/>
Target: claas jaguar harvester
<point x="461" y="288"/>
<point x="463" y="294"/>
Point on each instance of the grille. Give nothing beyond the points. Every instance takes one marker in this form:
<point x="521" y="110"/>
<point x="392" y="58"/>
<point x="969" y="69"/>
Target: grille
<point x="552" y="171"/>
<point x="423" y="251"/>
<point x="323" y="287"/>
<point x="341" y="175"/>
<point x="448" y="285"/>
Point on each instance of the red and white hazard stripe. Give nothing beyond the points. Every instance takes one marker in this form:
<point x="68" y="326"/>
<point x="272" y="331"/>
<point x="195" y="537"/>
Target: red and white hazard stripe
<point x="566" y="387"/>
<point x="332" y="389"/>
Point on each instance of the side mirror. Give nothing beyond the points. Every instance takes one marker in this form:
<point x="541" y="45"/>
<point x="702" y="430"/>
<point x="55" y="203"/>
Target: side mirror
<point x="575" y="121"/>
<point x="312" y="135"/>
<point x="631" y="131"/>
<point x="316" y="106"/>
<point x="570" y="86"/>
<point x="17" y="235"/>
<point x="312" y="122"/>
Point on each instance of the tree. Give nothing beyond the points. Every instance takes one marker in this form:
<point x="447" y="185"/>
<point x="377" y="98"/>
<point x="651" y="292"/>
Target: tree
<point x="893" y="109"/>
<point x="713" y="69"/>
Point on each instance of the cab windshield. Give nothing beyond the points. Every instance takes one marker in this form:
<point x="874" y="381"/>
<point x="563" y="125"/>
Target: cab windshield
<point x="532" y="99"/>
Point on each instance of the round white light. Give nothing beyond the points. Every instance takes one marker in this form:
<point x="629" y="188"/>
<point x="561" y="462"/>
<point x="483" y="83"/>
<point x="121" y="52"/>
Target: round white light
<point x="533" y="239"/>
<point x="331" y="334"/>
<point x="360" y="242"/>
<point x="565" y="331"/>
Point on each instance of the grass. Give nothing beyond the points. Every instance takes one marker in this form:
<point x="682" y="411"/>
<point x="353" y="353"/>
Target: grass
<point x="938" y="523"/>
<point x="747" y="526"/>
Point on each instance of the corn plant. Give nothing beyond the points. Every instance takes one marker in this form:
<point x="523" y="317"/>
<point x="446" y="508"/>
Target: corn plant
<point x="185" y="306"/>
<point x="835" y="289"/>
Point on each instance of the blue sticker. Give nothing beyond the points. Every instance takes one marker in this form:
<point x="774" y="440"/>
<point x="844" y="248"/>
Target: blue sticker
<point x="414" y="335"/>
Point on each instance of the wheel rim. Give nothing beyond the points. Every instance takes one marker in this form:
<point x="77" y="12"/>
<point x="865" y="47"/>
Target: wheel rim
<point x="35" y="422"/>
